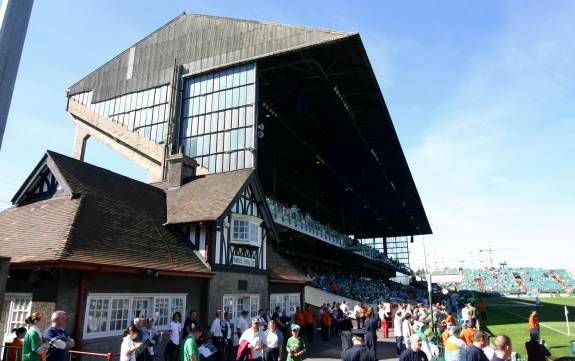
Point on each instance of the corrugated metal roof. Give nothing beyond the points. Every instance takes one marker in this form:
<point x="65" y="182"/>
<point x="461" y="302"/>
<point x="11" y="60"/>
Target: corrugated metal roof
<point x="199" y="43"/>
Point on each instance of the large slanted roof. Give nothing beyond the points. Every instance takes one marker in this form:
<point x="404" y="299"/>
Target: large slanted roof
<point x="105" y="219"/>
<point x="283" y="271"/>
<point x="199" y="43"/>
<point x="205" y="198"/>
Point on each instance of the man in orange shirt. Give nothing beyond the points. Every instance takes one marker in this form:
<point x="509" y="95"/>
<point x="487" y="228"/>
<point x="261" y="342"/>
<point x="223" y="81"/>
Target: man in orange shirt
<point x="298" y="317"/>
<point x="468" y="333"/>
<point x="450" y="318"/>
<point x="483" y="309"/>
<point x="308" y="318"/>
<point x="533" y="320"/>
<point x="325" y="322"/>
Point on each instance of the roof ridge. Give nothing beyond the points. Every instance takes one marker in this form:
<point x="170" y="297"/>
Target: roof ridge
<point x="185" y="14"/>
<point x="54" y="155"/>
<point x="270" y="23"/>
<point x="131" y="46"/>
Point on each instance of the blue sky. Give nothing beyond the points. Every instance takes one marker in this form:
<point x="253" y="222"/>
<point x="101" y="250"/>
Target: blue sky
<point x="481" y="94"/>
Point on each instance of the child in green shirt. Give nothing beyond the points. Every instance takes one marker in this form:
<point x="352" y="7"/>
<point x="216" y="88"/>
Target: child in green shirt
<point x="295" y="346"/>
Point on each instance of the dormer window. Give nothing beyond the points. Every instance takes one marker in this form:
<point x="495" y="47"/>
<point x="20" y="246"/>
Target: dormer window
<point x="246" y="230"/>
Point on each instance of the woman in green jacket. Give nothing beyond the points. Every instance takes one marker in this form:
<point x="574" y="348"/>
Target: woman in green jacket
<point x="33" y="348"/>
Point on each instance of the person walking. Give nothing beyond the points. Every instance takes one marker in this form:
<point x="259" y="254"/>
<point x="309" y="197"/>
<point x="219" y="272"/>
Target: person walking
<point x="189" y="350"/>
<point x="533" y="320"/>
<point x="295" y="345"/>
<point x="345" y="326"/>
<point x="475" y="352"/>
<point x="57" y="338"/>
<point x="325" y="322"/>
<point x="371" y="324"/>
<point x="217" y="336"/>
<point x="190" y="323"/>
<point x="129" y="348"/>
<point x="33" y="347"/>
<point x="483" y="309"/>
<point x="254" y="341"/>
<point x="455" y="348"/>
<point x="309" y="316"/>
<point x="15" y="345"/>
<point x="152" y="336"/>
<point x="535" y="350"/>
<point x="398" y="330"/>
<point x="358" y="351"/>
<point x="503" y="348"/>
<point x="171" y="352"/>
<point x="414" y="352"/>
<point x="273" y="341"/>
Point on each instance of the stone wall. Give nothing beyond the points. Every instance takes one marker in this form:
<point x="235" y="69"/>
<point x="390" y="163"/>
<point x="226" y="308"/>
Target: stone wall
<point x="227" y="283"/>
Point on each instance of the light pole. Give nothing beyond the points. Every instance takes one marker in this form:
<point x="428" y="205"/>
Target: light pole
<point x="14" y="17"/>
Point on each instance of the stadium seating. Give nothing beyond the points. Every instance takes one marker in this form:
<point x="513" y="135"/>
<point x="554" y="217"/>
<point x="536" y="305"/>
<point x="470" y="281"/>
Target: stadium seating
<point x="371" y="290"/>
<point x="513" y="280"/>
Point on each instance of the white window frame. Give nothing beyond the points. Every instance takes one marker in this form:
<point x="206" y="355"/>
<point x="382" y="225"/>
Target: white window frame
<point x="9" y="320"/>
<point x="130" y="297"/>
<point x="252" y="221"/>
<point x="281" y="297"/>
<point x="234" y="298"/>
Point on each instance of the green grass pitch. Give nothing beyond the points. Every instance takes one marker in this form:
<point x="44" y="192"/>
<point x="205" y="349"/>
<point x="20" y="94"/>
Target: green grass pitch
<point x="509" y="316"/>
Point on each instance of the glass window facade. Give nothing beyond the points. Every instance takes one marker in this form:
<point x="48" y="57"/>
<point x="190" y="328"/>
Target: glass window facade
<point x="144" y="112"/>
<point x="110" y="314"/>
<point x="218" y="120"/>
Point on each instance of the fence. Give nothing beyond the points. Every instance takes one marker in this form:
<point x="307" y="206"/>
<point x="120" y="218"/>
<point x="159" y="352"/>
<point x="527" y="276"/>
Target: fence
<point x="90" y="356"/>
<point x="14" y="353"/>
<point x="11" y="353"/>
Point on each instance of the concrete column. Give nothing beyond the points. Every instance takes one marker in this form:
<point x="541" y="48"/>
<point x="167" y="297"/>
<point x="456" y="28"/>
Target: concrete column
<point x="80" y="139"/>
<point x="14" y="17"/>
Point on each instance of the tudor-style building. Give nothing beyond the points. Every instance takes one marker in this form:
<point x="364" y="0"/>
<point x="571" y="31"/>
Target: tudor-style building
<point x="107" y="248"/>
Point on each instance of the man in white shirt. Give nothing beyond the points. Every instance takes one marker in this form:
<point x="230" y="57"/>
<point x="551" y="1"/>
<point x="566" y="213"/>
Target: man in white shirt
<point x="397" y="330"/>
<point x="356" y="310"/>
<point x="344" y="307"/>
<point x="465" y="315"/>
<point x="255" y="339"/>
<point x="407" y="330"/>
<point x="242" y="324"/>
<point x="216" y="332"/>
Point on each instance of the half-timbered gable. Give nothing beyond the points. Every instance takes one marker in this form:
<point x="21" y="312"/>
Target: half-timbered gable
<point x="44" y="182"/>
<point x="241" y="234"/>
<point x="226" y="218"/>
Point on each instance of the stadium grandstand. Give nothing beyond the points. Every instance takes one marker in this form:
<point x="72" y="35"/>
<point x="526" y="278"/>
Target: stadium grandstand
<point x="525" y="280"/>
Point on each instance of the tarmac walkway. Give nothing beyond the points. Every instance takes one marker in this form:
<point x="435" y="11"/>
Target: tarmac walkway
<point x="320" y="350"/>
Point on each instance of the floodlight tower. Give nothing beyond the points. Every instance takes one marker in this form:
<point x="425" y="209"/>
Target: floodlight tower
<point x="14" y="17"/>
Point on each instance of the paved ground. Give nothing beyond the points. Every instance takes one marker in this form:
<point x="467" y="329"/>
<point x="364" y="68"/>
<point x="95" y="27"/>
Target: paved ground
<point x="320" y="350"/>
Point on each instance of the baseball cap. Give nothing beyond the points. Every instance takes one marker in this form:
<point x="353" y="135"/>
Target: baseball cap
<point x="534" y="332"/>
<point x="295" y="327"/>
<point x="255" y="320"/>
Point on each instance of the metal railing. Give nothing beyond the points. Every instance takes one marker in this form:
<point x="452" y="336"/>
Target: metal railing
<point x="292" y="217"/>
<point x="86" y="356"/>
<point x="11" y="353"/>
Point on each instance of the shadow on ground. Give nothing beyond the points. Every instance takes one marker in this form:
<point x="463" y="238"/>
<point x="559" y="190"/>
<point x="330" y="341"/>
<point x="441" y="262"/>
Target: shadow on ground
<point x="331" y="349"/>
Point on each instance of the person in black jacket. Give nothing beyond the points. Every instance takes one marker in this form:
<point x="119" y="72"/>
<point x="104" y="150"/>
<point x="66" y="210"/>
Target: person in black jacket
<point x="359" y="351"/>
<point x="372" y="323"/>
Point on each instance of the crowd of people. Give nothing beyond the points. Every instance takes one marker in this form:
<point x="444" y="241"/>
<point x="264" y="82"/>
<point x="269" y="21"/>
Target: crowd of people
<point x="450" y="329"/>
<point x="31" y="344"/>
